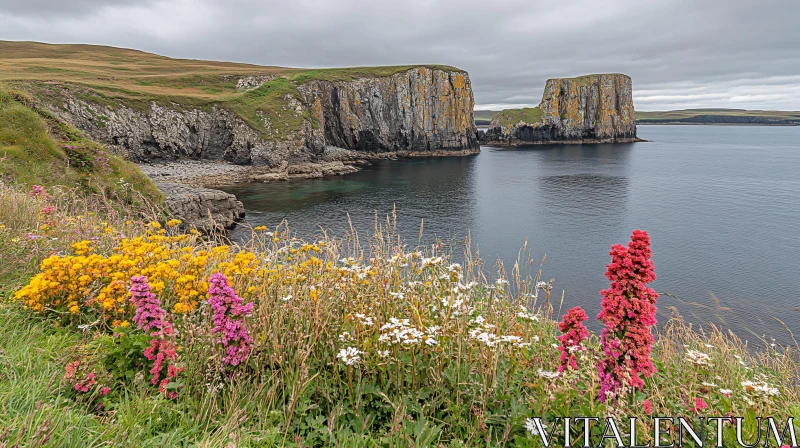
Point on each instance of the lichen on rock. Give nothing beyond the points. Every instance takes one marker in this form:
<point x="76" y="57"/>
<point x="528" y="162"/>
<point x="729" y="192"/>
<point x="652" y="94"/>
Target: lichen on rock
<point x="591" y="108"/>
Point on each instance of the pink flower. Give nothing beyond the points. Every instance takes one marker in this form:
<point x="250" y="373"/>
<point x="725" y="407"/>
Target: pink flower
<point x="71" y="368"/>
<point x="85" y="385"/>
<point x="573" y="334"/>
<point x="699" y="405"/>
<point x="628" y="312"/>
<point x="149" y="314"/>
<point x="38" y="190"/>
<point x="152" y="319"/>
<point x="105" y="391"/>
<point x="647" y="406"/>
<point x="49" y="209"/>
<point x="228" y="318"/>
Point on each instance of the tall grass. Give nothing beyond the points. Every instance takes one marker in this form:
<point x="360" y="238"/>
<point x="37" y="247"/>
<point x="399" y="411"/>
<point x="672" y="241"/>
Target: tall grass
<point x="473" y="357"/>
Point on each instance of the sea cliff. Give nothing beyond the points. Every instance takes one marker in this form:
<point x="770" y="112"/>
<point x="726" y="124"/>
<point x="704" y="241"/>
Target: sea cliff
<point x="202" y="123"/>
<point x="586" y="109"/>
<point x="421" y="110"/>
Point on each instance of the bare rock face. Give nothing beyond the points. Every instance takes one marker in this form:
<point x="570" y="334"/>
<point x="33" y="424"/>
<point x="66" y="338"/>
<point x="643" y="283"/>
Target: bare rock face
<point x="417" y="110"/>
<point x="421" y="109"/>
<point x="587" y="109"/>
<point x="202" y="208"/>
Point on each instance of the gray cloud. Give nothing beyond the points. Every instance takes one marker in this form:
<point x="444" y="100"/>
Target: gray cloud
<point x="680" y="53"/>
<point x="54" y="8"/>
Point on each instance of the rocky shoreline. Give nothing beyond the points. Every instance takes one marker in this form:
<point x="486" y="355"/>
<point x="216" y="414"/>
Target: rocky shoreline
<point x="187" y="184"/>
<point x="335" y="162"/>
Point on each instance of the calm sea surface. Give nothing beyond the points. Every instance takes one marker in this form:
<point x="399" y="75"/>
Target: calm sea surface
<point x="721" y="204"/>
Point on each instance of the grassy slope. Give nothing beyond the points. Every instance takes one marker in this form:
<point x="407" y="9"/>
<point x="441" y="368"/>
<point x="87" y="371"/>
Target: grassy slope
<point x="111" y="76"/>
<point x="38" y="149"/>
<point x="513" y="116"/>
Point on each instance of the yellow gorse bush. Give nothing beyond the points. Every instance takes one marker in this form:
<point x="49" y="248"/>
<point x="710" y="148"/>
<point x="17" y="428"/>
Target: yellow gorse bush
<point x="177" y="269"/>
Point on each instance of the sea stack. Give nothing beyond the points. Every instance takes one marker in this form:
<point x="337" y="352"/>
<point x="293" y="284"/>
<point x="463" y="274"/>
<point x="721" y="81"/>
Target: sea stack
<point x="586" y="109"/>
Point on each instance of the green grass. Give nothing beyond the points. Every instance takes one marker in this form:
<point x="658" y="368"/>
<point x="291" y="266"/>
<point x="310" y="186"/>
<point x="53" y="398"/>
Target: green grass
<point x="112" y="77"/>
<point x="38" y="411"/>
<point x="514" y="116"/>
<point x="38" y="149"/>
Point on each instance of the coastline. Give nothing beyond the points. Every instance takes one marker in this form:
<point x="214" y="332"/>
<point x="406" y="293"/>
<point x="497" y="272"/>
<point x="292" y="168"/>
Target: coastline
<point x="683" y="123"/>
<point x="216" y="173"/>
<point x="516" y="142"/>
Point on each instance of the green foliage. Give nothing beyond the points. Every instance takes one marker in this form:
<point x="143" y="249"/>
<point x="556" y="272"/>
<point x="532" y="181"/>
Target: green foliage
<point x="123" y="353"/>
<point x="38" y="149"/>
<point x="514" y="116"/>
<point x="268" y="103"/>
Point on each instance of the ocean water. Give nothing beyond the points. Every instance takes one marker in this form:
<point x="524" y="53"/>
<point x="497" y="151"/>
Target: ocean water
<point x="721" y="205"/>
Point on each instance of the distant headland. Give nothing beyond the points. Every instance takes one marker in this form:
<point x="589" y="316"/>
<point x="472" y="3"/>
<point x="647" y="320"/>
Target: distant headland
<point x="695" y="116"/>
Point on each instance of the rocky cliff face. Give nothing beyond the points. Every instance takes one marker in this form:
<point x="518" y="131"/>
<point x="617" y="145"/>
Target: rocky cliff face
<point x="592" y="108"/>
<point x="417" y="110"/>
<point x="421" y="109"/>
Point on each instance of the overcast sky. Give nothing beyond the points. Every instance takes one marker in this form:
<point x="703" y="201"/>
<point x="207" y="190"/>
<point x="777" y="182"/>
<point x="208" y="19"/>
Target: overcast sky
<point x="680" y="53"/>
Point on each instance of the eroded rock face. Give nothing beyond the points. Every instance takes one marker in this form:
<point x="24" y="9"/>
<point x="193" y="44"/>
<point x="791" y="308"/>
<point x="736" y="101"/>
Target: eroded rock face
<point x="202" y="208"/>
<point x="592" y="108"/>
<point x="422" y="109"/>
<point x="171" y="133"/>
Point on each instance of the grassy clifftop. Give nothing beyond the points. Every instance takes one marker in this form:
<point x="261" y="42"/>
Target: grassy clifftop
<point x="514" y="116"/>
<point x="38" y="149"/>
<point x="115" y="76"/>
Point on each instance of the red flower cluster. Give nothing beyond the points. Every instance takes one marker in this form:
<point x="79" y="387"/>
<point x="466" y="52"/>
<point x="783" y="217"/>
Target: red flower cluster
<point x="573" y="334"/>
<point x="74" y="372"/>
<point x="628" y="312"/>
<point x="699" y="406"/>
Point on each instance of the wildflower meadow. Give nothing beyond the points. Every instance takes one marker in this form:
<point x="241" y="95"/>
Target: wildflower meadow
<point x="127" y="329"/>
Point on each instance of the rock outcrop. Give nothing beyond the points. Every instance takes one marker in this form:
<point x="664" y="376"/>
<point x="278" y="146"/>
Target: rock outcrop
<point x="202" y="208"/>
<point x="586" y="109"/>
<point x="421" y="109"/>
<point x="418" y="109"/>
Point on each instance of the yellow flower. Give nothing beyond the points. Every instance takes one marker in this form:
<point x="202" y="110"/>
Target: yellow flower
<point x="260" y="228"/>
<point x="174" y="222"/>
